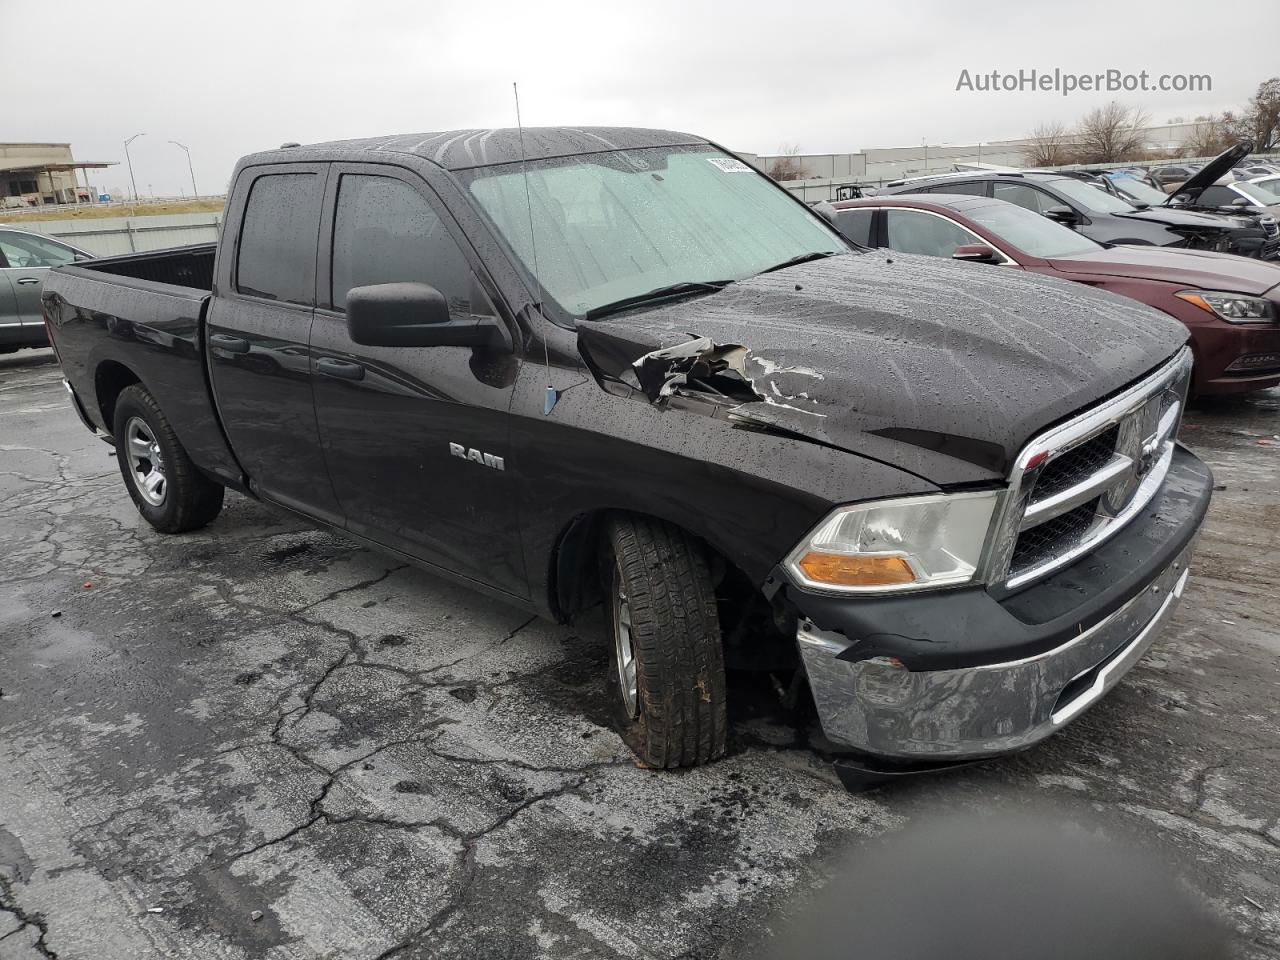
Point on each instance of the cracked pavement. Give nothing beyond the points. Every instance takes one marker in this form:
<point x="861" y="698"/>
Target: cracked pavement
<point x="260" y="740"/>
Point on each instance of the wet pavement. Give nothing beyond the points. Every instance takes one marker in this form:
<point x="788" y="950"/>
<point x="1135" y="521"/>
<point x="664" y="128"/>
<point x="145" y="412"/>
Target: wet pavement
<point x="259" y="740"/>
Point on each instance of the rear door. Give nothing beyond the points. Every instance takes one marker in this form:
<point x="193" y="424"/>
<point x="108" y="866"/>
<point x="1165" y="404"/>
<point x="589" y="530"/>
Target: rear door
<point x="258" y="327"/>
<point x="416" y="438"/>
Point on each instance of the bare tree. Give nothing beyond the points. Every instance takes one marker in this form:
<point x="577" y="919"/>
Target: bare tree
<point x="787" y="165"/>
<point x="1260" y="121"/>
<point x="1111" y="134"/>
<point x="1048" y="146"/>
<point x="1211" y="136"/>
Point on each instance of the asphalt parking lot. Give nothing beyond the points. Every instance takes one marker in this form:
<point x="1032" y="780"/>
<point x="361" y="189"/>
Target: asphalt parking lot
<point x="259" y="740"/>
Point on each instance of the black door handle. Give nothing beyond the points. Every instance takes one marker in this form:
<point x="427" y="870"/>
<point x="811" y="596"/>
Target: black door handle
<point x="342" y="369"/>
<point x="230" y="344"/>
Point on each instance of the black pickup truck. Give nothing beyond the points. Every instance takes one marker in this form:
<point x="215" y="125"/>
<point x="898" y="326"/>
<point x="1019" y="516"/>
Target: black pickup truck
<point x="620" y="366"/>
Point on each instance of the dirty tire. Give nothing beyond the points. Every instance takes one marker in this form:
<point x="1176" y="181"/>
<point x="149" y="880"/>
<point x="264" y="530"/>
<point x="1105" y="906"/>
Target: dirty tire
<point x="191" y="500"/>
<point x="680" y="717"/>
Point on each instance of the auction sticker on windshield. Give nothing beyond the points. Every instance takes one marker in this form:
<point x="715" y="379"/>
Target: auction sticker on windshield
<point x="729" y="165"/>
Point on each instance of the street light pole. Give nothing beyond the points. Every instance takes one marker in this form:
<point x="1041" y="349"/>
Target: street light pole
<point x="129" y="161"/>
<point x="194" y="191"/>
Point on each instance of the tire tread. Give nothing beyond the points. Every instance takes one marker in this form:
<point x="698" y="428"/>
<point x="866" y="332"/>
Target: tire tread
<point x="192" y="500"/>
<point x="675" y="632"/>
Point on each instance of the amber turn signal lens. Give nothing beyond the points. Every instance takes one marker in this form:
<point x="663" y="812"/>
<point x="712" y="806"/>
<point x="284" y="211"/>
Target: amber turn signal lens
<point x="855" y="571"/>
<point x="1198" y="300"/>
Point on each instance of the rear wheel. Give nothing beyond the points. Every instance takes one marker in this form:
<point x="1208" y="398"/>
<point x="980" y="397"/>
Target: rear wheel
<point x="170" y="493"/>
<point x="666" y="672"/>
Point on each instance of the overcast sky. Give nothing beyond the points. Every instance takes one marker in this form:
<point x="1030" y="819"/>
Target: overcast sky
<point x="229" y="77"/>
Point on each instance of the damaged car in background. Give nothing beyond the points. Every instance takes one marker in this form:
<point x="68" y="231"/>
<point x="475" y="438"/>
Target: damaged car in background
<point x="948" y="500"/>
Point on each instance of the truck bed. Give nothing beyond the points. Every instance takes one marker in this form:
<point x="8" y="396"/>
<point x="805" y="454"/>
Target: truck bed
<point x="190" y="267"/>
<point x="140" y="318"/>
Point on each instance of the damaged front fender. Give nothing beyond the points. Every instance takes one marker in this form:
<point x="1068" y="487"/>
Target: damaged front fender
<point x="701" y="368"/>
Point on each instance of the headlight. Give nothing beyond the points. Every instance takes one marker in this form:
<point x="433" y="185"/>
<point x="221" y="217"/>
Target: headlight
<point x="889" y="546"/>
<point x="1232" y="307"/>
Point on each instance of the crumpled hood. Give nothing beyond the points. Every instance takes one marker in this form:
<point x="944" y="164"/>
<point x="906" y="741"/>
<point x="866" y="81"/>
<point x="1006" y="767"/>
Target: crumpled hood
<point x="941" y="368"/>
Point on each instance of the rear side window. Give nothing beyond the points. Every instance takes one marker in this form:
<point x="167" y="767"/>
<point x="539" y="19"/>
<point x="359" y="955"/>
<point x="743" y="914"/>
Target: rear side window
<point x="972" y="188"/>
<point x="384" y="231"/>
<point x="856" y="225"/>
<point x="277" y="258"/>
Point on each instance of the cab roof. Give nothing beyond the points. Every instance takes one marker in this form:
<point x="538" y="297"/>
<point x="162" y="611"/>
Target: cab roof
<point x="463" y="149"/>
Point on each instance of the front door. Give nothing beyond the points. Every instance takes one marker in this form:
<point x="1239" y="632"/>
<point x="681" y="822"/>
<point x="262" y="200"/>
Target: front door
<point x="25" y="260"/>
<point x="258" y="326"/>
<point x="416" y="439"/>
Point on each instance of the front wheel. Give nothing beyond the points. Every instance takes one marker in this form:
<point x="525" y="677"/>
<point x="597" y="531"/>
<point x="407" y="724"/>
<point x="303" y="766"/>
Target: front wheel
<point x="170" y="493"/>
<point x="666" y="672"/>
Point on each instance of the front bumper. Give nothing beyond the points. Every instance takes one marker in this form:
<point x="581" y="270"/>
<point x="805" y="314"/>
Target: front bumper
<point x="960" y="674"/>
<point x="1234" y="358"/>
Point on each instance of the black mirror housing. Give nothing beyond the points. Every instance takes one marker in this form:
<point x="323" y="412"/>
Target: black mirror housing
<point x="1062" y="214"/>
<point x="415" y="315"/>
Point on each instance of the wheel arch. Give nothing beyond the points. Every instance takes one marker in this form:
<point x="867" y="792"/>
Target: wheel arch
<point x="574" y="563"/>
<point x="110" y="379"/>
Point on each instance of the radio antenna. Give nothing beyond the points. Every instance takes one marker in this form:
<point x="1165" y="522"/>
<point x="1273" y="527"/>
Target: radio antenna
<point x="551" y="396"/>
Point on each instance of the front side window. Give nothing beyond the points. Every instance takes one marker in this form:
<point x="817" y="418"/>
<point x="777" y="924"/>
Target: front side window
<point x="1029" y="198"/>
<point x="1217" y="197"/>
<point x="1030" y="232"/>
<point x="911" y="231"/>
<point x="856" y="224"/>
<point x="277" y="256"/>
<point x="1258" y="193"/>
<point x="384" y="231"/>
<point x="619" y="224"/>
<point x="24" y="250"/>
<point x="1091" y="198"/>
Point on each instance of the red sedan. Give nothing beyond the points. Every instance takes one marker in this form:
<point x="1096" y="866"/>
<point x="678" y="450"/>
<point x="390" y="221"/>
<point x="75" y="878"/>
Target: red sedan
<point x="1231" y="304"/>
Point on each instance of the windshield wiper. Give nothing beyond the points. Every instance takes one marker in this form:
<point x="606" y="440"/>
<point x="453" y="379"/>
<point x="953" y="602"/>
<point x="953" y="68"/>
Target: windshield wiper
<point x="668" y="292"/>
<point x="802" y="258"/>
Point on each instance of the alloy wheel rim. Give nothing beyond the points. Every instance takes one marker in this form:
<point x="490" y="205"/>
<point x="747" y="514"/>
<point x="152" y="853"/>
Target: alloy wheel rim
<point x="146" y="464"/>
<point x="625" y="652"/>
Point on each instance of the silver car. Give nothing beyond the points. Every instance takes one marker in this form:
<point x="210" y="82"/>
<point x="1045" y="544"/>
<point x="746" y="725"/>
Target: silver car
<point x="25" y="258"/>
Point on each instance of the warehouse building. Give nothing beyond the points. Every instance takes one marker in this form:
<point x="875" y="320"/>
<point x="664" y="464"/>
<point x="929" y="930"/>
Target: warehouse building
<point x="35" y="174"/>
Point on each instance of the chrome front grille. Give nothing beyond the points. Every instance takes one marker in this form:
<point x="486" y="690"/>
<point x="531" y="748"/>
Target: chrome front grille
<point x="1077" y="464"/>
<point x="1078" y="484"/>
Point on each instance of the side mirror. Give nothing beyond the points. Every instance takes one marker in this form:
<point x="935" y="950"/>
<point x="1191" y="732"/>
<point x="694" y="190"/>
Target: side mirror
<point x="1240" y="202"/>
<point x="1062" y="214"/>
<point x="975" y="253"/>
<point x="415" y="315"/>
